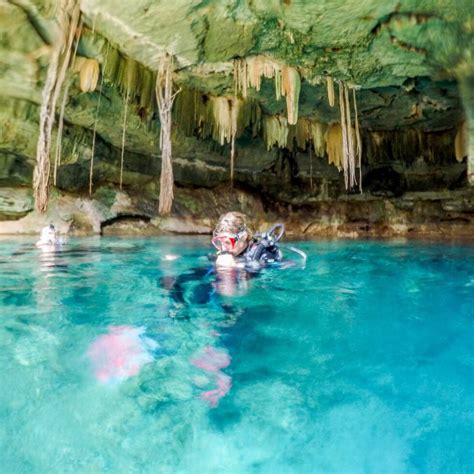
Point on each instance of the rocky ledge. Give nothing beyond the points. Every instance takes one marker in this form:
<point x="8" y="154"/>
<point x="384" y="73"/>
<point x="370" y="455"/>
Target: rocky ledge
<point x="442" y="214"/>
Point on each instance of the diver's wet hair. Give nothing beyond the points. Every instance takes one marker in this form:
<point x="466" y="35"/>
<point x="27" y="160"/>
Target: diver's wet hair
<point x="233" y="222"/>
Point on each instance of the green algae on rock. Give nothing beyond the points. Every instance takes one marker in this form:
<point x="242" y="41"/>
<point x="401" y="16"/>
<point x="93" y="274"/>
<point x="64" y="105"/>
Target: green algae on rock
<point x="410" y="64"/>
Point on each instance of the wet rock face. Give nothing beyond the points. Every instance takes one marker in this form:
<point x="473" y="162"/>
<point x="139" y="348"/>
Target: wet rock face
<point x="443" y="214"/>
<point x="15" y="203"/>
<point x="409" y="61"/>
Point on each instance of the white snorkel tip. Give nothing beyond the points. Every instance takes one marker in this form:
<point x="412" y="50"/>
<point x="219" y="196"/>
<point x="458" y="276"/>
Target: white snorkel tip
<point x="225" y="260"/>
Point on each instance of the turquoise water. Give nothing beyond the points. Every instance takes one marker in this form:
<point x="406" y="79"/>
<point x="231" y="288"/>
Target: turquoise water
<point x="110" y="361"/>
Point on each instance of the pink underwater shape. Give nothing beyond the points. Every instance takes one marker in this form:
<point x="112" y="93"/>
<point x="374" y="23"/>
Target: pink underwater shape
<point x="224" y="383"/>
<point x="120" y="354"/>
<point x="213" y="361"/>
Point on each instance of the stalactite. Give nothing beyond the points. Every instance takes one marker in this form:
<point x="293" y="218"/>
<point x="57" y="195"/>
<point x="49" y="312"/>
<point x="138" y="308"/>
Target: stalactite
<point x="146" y="92"/>
<point x="311" y="168"/>
<point x="300" y="133"/>
<point x="318" y="136"/>
<point x="226" y="114"/>
<point x="240" y="77"/>
<point x="330" y="86"/>
<point x="185" y="111"/>
<point x="127" y="74"/>
<point x="248" y="72"/>
<point x="257" y="67"/>
<point x="334" y="146"/>
<point x="89" y="75"/>
<point x="290" y="88"/>
<point x="461" y="142"/>
<point x="69" y="16"/>
<point x="220" y="118"/>
<point x="130" y="77"/>
<point x="309" y="131"/>
<point x="165" y="98"/>
<point x="111" y="69"/>
<point x="275" y="131"/>
<point x="222" y="111"/>
<point x="237" y="116"/>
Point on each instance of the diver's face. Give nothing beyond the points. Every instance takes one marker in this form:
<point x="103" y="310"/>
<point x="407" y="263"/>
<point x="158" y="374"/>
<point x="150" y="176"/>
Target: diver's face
<point x="230" y="243"/>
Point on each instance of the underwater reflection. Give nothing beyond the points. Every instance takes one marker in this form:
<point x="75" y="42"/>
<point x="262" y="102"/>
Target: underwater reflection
<point x="48" y="257"/>
<point x="231" y="281"/>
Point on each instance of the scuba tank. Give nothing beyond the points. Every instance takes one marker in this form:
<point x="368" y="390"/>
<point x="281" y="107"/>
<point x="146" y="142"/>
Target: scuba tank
<point x="266" y="243"/>
<point x="265" y="246"/>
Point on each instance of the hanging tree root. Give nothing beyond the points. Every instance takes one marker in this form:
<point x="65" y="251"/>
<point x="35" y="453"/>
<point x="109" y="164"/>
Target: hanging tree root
<point x="59" y="137"/>
<point x="94" y="133"/>
<point x="165" y="98"/>
<point x="69" y="16"/>
<point x="350" y="149"/>
<point x="124" y="128"/>
<point x="358" y="140"/>
<point x="350" y="139"/>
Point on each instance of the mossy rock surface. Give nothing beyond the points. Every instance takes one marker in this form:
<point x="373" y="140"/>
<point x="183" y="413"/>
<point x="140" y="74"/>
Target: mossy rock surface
<point x="410" y="61"/>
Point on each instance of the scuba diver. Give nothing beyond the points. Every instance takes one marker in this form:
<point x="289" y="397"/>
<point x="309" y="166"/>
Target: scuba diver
<point x="240" y="254"/>
<point x="238" y="246"/>
<point x="49" y="237"/>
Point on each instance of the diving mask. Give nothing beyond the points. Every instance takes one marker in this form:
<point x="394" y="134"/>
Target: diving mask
<point x="225" y="241"/>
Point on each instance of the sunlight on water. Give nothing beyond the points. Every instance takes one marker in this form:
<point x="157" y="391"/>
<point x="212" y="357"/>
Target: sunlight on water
<point x="124" y="355"/>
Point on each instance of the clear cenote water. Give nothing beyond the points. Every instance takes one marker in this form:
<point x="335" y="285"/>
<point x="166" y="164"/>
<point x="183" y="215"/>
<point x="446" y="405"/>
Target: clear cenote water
<point x="121" y="355"/>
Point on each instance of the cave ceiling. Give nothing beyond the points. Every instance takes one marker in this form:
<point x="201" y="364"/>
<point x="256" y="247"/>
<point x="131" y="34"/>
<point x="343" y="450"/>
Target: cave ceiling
<point x="404" y="58"/>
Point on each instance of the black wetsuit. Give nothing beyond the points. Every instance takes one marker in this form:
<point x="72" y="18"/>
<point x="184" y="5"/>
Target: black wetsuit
<point x="199" y="285"/>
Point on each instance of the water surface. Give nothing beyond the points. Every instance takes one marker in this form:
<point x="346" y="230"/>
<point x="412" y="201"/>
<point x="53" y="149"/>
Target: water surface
<point x="125" y="355"/>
